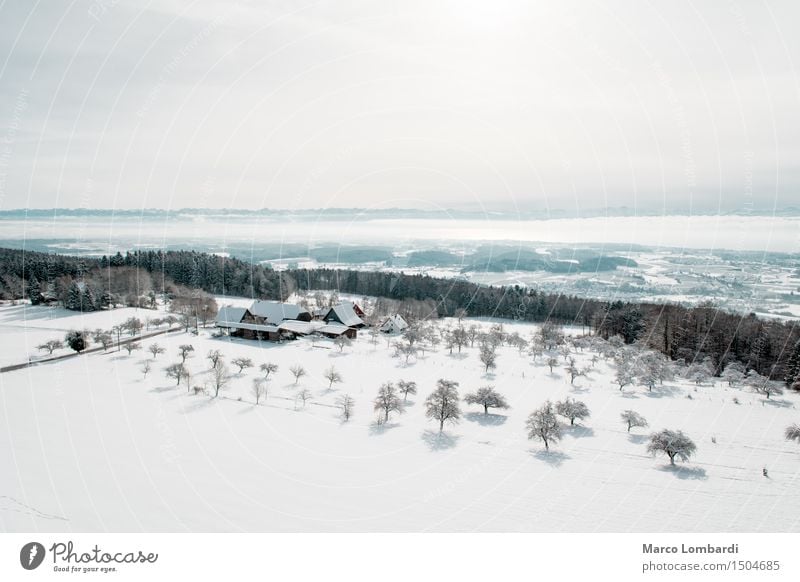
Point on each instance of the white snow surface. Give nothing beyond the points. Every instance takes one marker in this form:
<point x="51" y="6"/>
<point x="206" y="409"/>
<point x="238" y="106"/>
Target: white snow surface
<point x="87" y="444"/>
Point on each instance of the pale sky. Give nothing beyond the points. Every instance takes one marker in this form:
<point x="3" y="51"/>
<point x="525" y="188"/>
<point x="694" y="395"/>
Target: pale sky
<point x="372" y="103"/>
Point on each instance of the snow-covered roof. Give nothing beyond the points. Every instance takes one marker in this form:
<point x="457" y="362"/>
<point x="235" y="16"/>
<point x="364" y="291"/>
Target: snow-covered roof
<point x="333" y="328"/>
<point x="230" y="314"/>
<point x="394" y="323"/>
<point x="301" y="327"/>
<point x="250" y="326"/>
<point x="345" y="314"/>
<point x="275" y="312"/>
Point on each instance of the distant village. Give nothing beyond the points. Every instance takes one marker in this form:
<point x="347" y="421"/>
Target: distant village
<point x="276" y="321"/>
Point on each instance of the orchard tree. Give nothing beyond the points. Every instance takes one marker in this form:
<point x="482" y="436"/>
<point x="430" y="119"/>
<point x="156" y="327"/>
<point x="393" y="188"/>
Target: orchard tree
<point x="130" y="347"/>
<point x="388" y="401"/>
<point x="177" y="371"/>
<point x="259" y="389"/>
<point x="488" y="356"/>
<point x="304" y="395"/>
<point x="50" y="346"/>
<point x="734" y="373"/>
<point x="552" y="363"/>
<point x="156" y="349"/>
<point x="487" y="397"/>
<point x="185" y="351"/>
<point x="345" y="404"/>
<point x="146" y="367"/>
<point x="242" y="363"/>
<point x="460" y="338"/>
<point x="267" y="369"/>
<point x="573" y="370"/>
<point x="104" y="339"/>
<point x="298" y="372"/>
<point x="763" y="385"/>
<point x="633" y="419"/>
<point x="673" y="443"/>
<point x="220" y="377"/>
<point x="573" y="410"/>
<point x="215" y="357"/>
<point x="543" y="425"/>
<point x="407" y="387"/>
<point x="442" y="404"/>
<point x="333" y="376"/>
<point x="342" y="342"/>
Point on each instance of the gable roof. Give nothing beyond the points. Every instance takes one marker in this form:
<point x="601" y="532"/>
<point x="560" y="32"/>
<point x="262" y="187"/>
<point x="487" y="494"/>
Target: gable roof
<point x="230" y="314"/>
<point x="333" y="328"/>
<point x="394" y="322"/>
<point x="345" y="314"/>
<point x="275" y="312"/>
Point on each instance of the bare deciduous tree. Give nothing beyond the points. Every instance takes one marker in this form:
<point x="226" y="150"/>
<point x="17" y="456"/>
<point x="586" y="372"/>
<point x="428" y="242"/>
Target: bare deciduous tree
<point x="552" y="363"/>
<point x="267" y="369"/>
<point x="304" y="395"/>
<point x="633" y="419"/>
<point x="407" y="387"/>
<point x="259" y="389"/>
<point x="298" y="372"/>
<point x="131" y="347"/>
<point x="673" y="443"/>
<point x="442" y="404"/>
<point x="185" y="351"/>
<point x="50" y="346"/>
<point x="146" y="367"/>
<point x="345" y="403"/>
<point x="342" y="342"/>
<point x="487" y="397"/>
<point x="332" y="376"/>
<point x="388" y="401"/>
<point x="155" y="349"/>
<point x="242" y="363"/>
<point x="488" y="356"/>
<point x="177" y="371"/>
<point x="543" y="425"/>
<point x="573" y="370"/>
<point x="220" y="377"/>
<point x="215" y="357"/>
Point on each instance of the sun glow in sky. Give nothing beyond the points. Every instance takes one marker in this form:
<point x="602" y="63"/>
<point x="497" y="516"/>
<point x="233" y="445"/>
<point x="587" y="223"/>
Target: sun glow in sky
<point x="356" y="103"/>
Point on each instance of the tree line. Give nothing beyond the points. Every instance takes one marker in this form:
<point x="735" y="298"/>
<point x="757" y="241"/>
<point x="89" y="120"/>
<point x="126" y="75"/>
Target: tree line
<point x="691" y="334"/>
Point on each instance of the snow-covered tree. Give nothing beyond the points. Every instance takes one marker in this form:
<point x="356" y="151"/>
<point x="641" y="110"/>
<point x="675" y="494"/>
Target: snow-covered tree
<point x="552" y="363"/>
<point x="442" y="404"/>
<point x="792" y="376"/>
<point x="673" y="443"/>
<point x="146" y="367"/>
<point x="407" y="387"/>
<point x="460" y="338"/>
<point x="406" y="350"/>
<point x="298" y="372"/>
<point x="734" y="373"/>
<point x="388" y="401"/>
<point x="259" y="389"/>
<point x="488" y="356"/>
<point x="215" y="357"/>
<point x="572" y="409"/>
<point x="573" y="370"/>
<point x="242" y="363"/>
<point x="543" y="425"/>
<point x="342" y="342"/>
<point x="220" y="377"/>
<point x="633" y="419"/>
<point x="333" y="376"/>
<point x="133" y="325"/>
<point x="130" y="347"/>
<point x="50" y="346"/>
<point x="304" y="396"/>
<point x="487" y="397"/>
<point x="700" y="372"/>
<point x="185" y="351"/>
<point x="792" y="433"/>
<point x="472" y="334"/>
<point x="551" y="334"/>
<point x="267" y="369"/>
<point x="763" y="385"/>
<point x="155" y="349"/>
<point x="651" y="368"/>
<point x="345" y="404"/>
<point x="177" y="371"/>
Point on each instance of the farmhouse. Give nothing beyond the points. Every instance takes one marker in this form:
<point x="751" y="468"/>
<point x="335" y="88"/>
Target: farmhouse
<point x="274" y="321"/>
<point x="334" y="330"/>
<point x="394" y="324"/>
<point x="346" y="313"/>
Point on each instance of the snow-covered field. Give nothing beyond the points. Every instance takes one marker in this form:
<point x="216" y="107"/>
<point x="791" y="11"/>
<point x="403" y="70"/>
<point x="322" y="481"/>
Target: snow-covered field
<point x="87" y="444"/>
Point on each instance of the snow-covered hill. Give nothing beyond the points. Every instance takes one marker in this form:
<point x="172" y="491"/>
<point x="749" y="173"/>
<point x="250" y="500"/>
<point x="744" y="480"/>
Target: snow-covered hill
<point x="88" y="444"/>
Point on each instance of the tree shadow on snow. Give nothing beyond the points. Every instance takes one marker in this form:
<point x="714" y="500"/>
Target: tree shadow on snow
<point x="683" y="472"/>
<point x="439" y="441"/>
<point x="638" y="439"/>
<point x="377" y="428"/>
<point x="198" y="405"/>
<point x="624" y="394"/>
<point x="552" y="458"/>
<point x="577" y="431"/>
<point x="578" y="389"/>
<point x="662" y="391"/>
<point x="486" y="419"/>
<point x="161" y="389"/>
<point x="777" y="403"/>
